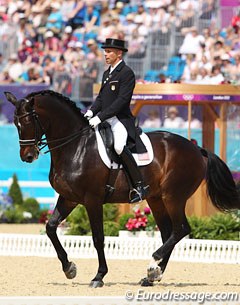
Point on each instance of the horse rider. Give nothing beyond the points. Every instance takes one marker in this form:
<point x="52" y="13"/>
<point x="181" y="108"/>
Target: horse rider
<point x="113" y="105"/>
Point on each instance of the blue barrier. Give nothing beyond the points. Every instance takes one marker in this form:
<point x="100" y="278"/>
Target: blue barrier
<point x="11" y="163"/>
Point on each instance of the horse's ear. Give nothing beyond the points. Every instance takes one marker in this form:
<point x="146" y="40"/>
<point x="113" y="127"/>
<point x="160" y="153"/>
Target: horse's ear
<point x="11" y="98"/>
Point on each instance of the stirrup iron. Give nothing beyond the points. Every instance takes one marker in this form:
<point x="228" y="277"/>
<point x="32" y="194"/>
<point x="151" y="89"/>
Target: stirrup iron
<point x="134" y="191"/>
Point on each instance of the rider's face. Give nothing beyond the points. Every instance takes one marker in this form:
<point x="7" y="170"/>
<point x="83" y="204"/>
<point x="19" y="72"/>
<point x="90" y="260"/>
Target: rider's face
<point x="112" y="56"/>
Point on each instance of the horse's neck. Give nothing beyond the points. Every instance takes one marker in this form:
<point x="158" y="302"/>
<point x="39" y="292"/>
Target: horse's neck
<point x="60" y="118"/>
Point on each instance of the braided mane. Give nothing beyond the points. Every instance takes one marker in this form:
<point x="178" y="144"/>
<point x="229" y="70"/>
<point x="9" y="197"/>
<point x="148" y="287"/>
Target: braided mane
<point x="61" y="97"/>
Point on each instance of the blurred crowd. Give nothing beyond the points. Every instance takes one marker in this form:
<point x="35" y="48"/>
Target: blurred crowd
<point x="172" y="119"/>
<point x="211" y="57"/>
<point x="64" y="36"/>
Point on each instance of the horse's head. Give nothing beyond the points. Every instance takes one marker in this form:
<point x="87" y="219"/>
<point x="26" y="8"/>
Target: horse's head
<point x="29" y="128"/>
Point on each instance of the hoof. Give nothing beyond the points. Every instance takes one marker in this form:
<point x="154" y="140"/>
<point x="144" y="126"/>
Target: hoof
<point x="154" y="274"/>
<point x="145" y="282"/>
<point x="96" y="284"/>
<point x="71" y="272"/>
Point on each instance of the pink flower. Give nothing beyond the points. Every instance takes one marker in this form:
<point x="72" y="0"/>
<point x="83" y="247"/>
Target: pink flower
<point x="136" y="224"/>
<point x="147" y="211"/>
<point x="140" y="220"/>
<point x="131" y="224"/>
<point x="50" y="212"/>
<point x="138" y="213"/>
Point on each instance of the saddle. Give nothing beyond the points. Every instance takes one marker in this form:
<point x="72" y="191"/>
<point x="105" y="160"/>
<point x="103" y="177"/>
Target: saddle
<point x="106" y="134"/>
<point x="107" y="137"/>
<point x="105" y="142"/>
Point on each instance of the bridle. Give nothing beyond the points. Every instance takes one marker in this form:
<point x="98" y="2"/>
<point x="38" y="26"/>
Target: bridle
<point x="38" y="129"/>
<point x="39" y="142"/>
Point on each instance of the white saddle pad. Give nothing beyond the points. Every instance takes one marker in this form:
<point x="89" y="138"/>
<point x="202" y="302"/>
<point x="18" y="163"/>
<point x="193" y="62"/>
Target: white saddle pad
<point x="141" y="159"/>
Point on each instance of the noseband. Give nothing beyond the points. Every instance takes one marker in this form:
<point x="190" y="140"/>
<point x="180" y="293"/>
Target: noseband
<point x="39" y="131"/>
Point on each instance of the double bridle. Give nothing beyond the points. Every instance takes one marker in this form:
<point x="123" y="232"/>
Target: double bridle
<point x="39" y="142"/>
<point x="38" y="129"/>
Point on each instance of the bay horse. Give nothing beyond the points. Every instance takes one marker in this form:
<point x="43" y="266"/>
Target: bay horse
<point x="79" y="176"/>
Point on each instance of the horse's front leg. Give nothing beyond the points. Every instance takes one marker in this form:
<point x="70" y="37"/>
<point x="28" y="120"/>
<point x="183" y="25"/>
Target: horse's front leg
<point x="95" y="214"/>
<point x="61" y="211"/>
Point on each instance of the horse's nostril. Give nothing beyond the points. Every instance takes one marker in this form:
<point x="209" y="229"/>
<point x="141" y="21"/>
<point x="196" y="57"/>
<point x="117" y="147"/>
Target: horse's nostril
<point x="29" y="158"/>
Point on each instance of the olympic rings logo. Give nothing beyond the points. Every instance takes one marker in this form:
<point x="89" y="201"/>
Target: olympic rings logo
<point x="188" y="97"/>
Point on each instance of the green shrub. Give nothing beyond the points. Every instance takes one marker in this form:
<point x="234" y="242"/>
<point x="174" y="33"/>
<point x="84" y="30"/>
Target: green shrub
<point x="151" y="224"/>
<point x="79" y="223"/>
<point x="31" y="205"/>
<point x="219" y="227"/>
<point x="110" y="212"/>
<point x="199" y="227"/>
<point x="15" y="215"/>
<point x="111" y="228"/>
<point x="236" y="215"/>
<point x="15" y="192"/>
<point x="225" y="226"/>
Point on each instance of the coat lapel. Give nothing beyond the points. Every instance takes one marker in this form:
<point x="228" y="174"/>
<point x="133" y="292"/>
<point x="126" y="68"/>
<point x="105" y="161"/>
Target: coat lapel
<point x="107" y="77"/>
<point x="118" y="69"/>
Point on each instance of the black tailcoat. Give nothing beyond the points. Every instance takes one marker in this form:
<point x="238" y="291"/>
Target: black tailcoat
<point x="114" y="99"/>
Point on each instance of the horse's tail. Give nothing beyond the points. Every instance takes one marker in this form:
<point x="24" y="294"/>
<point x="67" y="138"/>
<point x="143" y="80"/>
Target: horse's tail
<point x="221" y="188"/>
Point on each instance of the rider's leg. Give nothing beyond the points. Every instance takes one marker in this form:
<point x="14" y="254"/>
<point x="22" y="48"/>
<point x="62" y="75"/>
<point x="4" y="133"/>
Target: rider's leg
<point x="120" y="139"/>
<point x="120" y="134"/>
<point x="135" y="175"/>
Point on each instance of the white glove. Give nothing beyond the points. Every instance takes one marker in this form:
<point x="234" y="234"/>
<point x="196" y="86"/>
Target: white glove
<point x="88" y="114"/>
<point x="94" y="122"/>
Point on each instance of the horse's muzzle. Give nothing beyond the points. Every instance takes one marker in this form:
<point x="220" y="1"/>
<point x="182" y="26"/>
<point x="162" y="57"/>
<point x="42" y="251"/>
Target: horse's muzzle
<point x="30" y="155"/>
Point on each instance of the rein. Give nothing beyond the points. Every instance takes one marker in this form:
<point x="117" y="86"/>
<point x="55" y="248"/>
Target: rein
<point x="39" y="131"/>
<point x="67" y="139"/>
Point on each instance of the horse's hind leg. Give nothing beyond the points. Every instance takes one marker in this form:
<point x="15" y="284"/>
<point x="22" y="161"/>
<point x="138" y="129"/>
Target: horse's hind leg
<point x="61" y="211"/>
<point x="164" y="223"/>
<point x="180" y="228"/>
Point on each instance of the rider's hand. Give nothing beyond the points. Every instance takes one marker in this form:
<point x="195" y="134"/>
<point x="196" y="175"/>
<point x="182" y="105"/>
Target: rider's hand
<point x="88" y="114"/>
<point x="94" y="121"/>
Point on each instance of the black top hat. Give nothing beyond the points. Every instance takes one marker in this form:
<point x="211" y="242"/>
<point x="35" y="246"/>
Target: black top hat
<point x="115" y="44"/>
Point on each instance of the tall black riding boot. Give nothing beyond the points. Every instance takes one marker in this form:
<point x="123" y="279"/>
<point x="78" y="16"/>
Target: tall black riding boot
<point x="140" y="191"/>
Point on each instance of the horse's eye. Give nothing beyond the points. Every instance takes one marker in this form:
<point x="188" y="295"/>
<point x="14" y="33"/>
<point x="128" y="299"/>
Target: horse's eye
<point x="26" y="120"/>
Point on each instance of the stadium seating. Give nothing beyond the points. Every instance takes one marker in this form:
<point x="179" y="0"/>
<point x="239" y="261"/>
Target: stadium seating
<point x="174" y="70"/>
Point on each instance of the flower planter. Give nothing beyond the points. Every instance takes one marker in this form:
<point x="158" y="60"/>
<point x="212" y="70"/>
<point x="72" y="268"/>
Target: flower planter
<point x="142" y="234"/>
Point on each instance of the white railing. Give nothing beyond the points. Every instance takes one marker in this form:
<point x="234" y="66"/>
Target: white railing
<point x="71" y="300"/>
<point x="121" y="300"/>
<point x="33" y="184"/>
<point x="190" y="250"/>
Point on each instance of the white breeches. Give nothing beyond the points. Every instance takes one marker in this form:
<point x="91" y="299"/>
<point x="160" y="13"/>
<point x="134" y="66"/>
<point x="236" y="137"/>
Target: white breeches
<point x="119" y="134"/>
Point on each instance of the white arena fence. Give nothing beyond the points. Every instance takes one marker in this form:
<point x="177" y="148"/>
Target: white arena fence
<point x="61" y="300"/>
<point x="189" y="250"/>
<point x="107" y="300"/>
